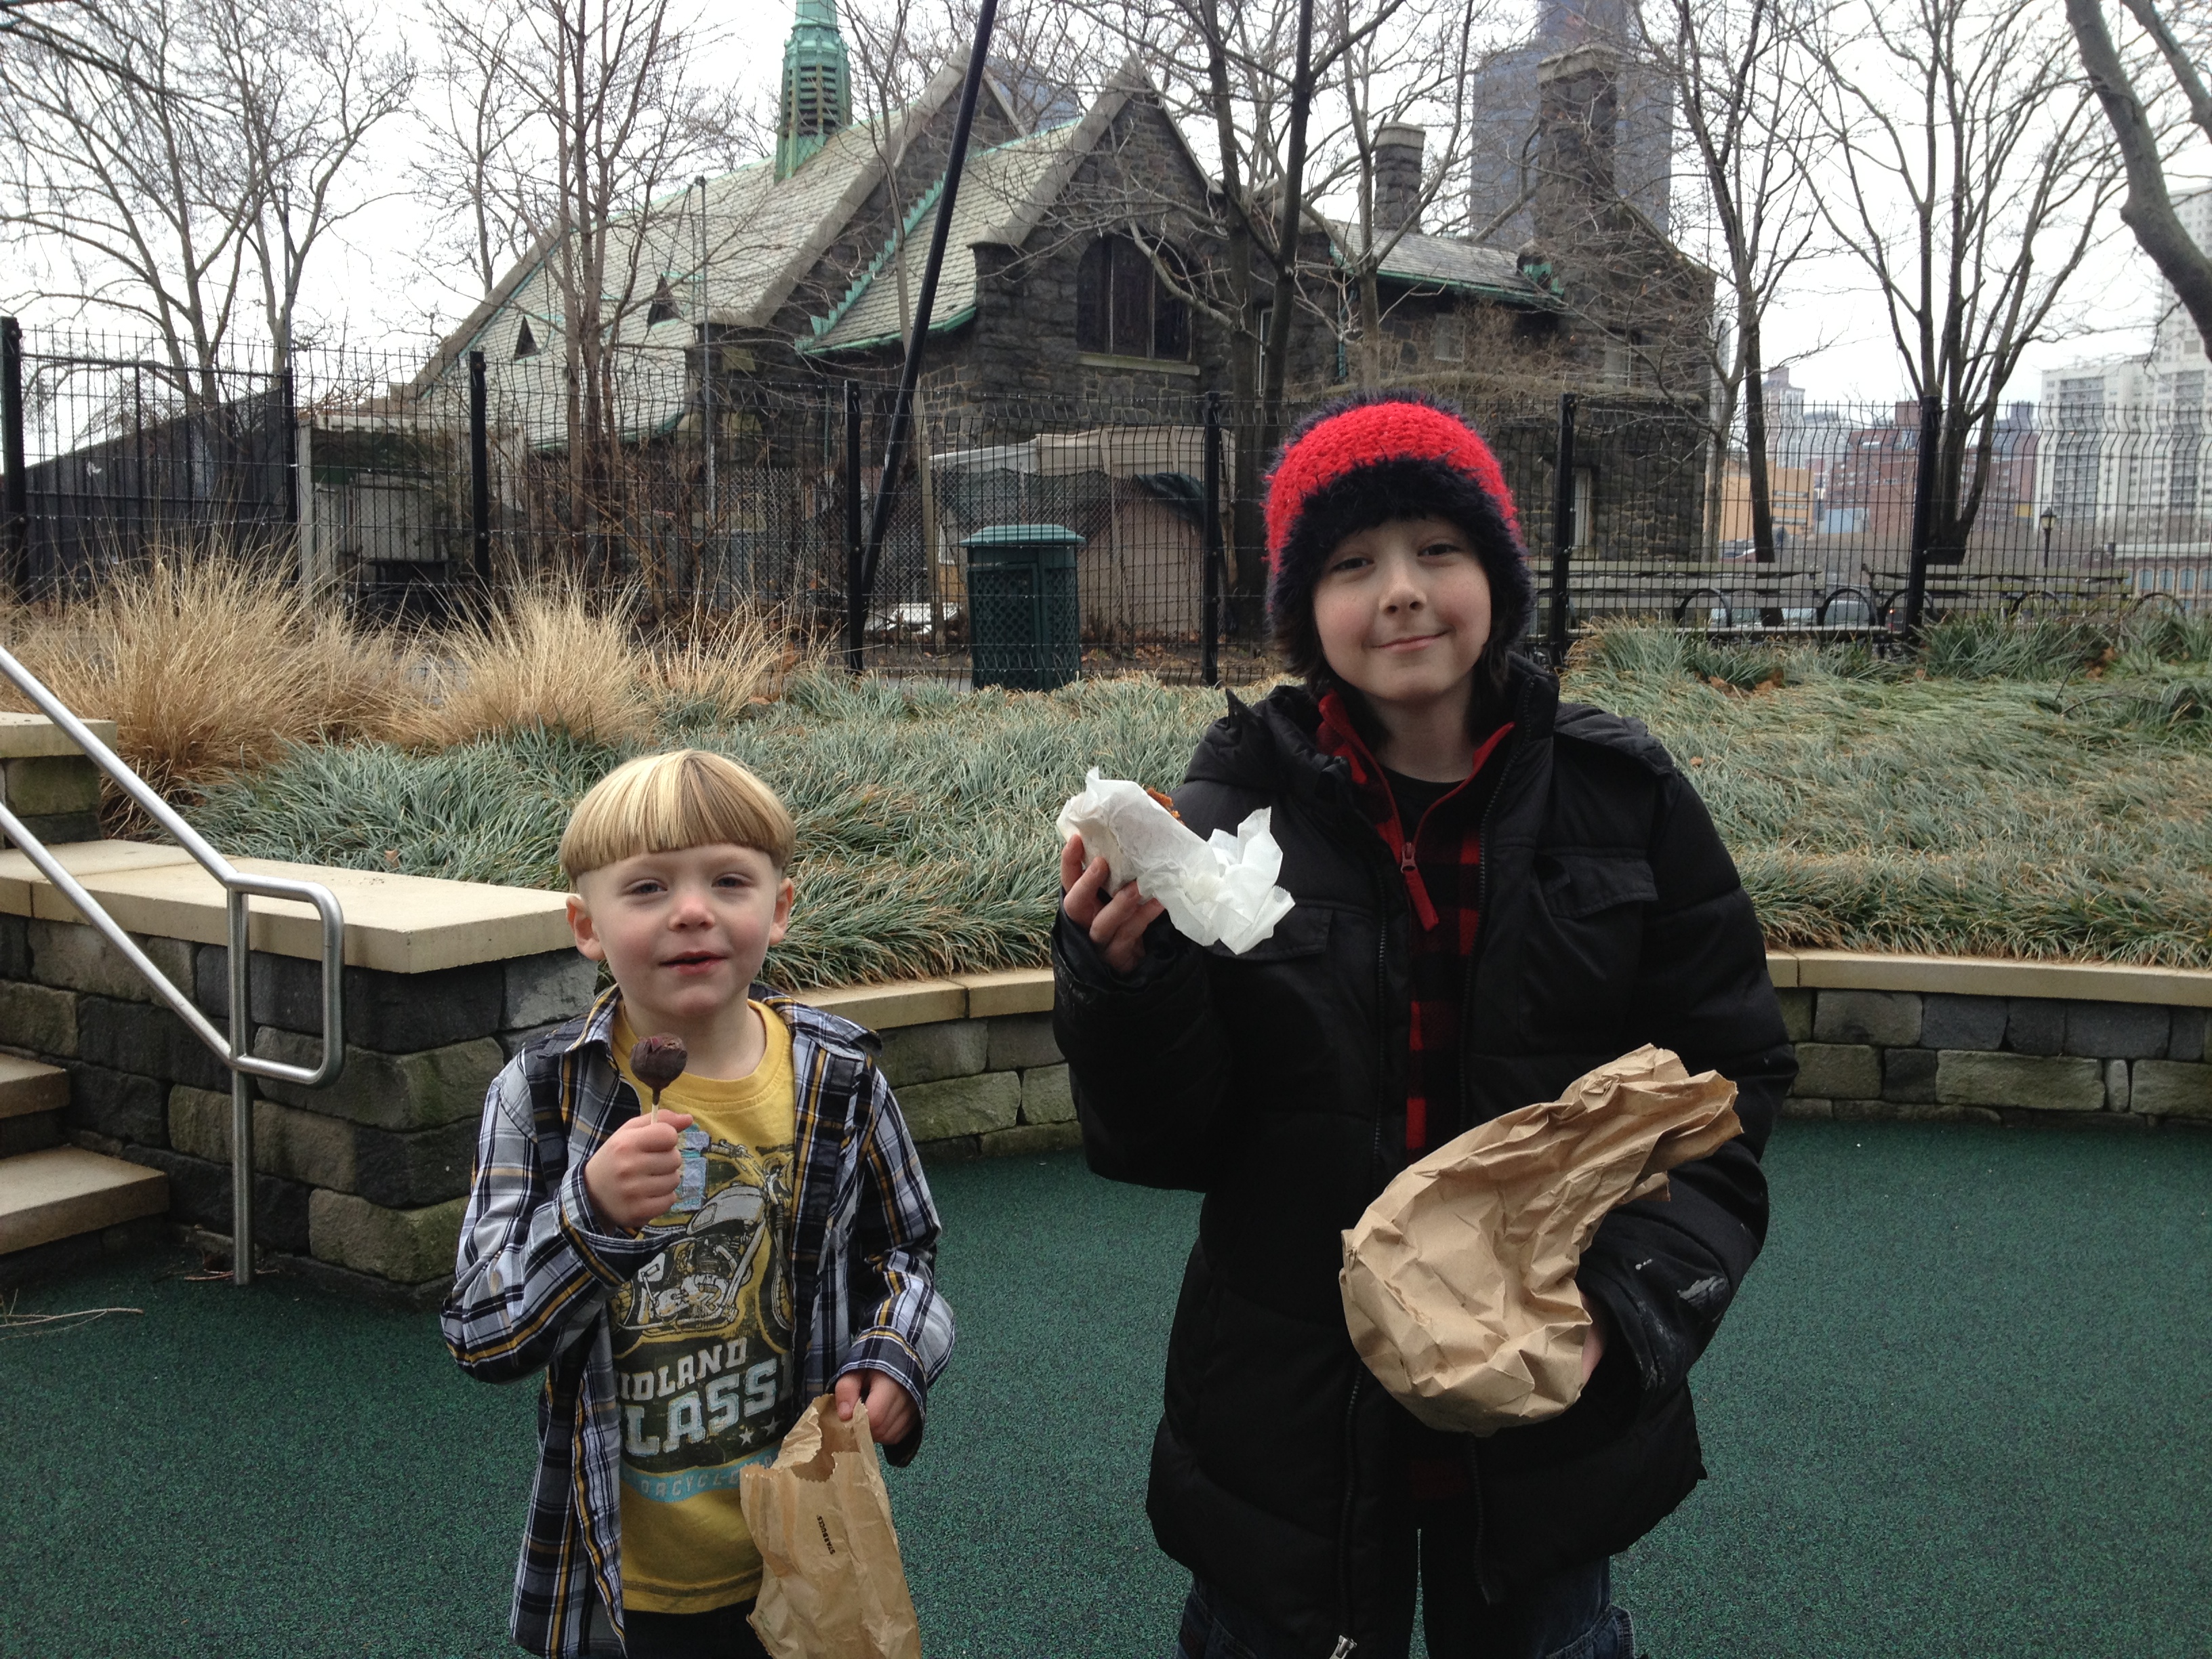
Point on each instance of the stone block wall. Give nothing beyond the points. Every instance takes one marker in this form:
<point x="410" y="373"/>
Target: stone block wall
<point x="982" y="1087"/>
<point x="368" y="1176"/>
<point x="1868" y="1054"/>
<point x="48" y="781"/>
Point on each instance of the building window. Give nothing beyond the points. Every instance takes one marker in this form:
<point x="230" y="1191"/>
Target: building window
<point x="1451" y="337"/>
<point x="2165" y="579"/>
<point x="1123" y="307"/>
<point x="2189" y="582"/>
<point x="663" y="308"/>
<point x="526" y="342"/>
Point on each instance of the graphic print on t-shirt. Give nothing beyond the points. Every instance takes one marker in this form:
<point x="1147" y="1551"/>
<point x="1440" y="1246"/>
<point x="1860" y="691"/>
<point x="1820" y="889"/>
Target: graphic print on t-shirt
<point x="702" y="1336"/>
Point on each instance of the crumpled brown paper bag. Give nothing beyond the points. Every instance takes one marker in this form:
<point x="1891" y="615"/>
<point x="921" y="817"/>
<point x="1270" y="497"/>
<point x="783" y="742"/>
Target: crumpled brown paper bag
<point x="1459" y="1281"/>
<point x="822" y="1516"/>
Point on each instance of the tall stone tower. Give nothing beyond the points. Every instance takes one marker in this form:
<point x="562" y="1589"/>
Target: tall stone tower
<point x="1503" y="102"/>
<point x="817" y="85"/>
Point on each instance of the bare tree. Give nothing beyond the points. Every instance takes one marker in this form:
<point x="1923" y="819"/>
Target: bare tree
<point x="1417" y="63"/>
<point x="477" y="126"/>
<point x="1249" y="76"/>
<point x="1738" y="76"/>
<point x="571" y="131"/>
<point x="64" y="28"/>
<point x="183" y="157"/>
<point x="1970" y="181"/>
<point x="2148" y="209"/>
<point x="305" y="82"/>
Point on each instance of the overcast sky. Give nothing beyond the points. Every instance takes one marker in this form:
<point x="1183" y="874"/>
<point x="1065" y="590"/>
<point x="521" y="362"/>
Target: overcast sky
<point x="372" y="288"/>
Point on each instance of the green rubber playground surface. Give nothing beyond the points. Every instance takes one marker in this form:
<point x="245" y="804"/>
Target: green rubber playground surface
<point x="1960" y="1409"/>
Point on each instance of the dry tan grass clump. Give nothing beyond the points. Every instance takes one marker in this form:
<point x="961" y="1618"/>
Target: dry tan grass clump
<point x="207" y="666"/>
<point x="557" y="657"/>
<point x="719" y="665"/>
<point x="210" y="666"/>
<point x="544" y="657"/>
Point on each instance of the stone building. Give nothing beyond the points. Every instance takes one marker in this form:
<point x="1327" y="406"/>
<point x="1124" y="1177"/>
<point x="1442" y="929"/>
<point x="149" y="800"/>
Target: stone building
<point x="1080" y="292"/>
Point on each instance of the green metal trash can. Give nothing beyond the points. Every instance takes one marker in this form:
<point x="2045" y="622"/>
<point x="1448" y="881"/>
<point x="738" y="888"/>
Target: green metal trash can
<point x="1023" y="625"/>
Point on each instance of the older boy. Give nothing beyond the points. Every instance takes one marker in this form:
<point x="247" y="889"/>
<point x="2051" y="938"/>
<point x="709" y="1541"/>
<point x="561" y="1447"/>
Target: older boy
<point x="1495" y="892"/>
<point x="686" y="1276"/>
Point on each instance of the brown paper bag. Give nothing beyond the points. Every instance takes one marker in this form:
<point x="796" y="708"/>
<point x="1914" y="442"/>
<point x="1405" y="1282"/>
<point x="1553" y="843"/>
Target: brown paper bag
<point x="1459" y="1281"/>
<point x="821" y="1515"/>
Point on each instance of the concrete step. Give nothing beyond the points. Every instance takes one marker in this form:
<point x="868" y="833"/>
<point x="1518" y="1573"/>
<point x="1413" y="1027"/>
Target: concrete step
<point x="31" y="1132"/>
<point x="64" y="1191"/>
<point x="27" y="1087"/>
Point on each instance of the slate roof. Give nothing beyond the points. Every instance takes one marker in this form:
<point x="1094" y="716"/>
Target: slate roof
<point x="762" y="236"/>
<point x="1451" y="263"/>
<point x="997" y="186"/>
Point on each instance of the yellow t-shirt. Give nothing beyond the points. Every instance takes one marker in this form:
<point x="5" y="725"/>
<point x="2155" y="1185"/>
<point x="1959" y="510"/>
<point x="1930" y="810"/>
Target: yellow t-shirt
<point x="705" y="1362"/>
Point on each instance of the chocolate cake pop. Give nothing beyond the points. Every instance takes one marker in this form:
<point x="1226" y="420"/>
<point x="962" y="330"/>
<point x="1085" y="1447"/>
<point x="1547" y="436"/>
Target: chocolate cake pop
<point x="657" y="1062"/>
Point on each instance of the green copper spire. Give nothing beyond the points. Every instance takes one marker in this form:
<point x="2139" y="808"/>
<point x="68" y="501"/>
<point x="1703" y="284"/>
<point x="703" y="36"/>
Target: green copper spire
<point x="817" y="85"/>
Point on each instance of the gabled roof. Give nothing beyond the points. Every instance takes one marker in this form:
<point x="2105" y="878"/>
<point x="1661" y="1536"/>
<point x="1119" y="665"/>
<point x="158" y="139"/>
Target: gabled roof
<point x="1451" y="263"/>
<point x="1005" y="193"/>
<point x="996" y="184"/>
<point x="762" y="235"/>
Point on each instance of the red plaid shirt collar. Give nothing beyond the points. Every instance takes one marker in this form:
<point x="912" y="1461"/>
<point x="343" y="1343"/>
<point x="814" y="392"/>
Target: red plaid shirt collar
<point x="1338" y="736"/>
<point x="1441" y="860"/>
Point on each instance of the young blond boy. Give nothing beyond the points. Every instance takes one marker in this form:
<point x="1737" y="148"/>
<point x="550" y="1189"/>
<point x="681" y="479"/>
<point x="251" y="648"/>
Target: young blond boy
<point x="687" y="1277"/>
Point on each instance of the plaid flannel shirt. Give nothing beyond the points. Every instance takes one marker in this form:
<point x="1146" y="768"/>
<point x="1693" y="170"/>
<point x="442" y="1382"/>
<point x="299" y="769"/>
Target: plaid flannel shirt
<point x="538" y="1267"/>
<point x="1441" y="858"/>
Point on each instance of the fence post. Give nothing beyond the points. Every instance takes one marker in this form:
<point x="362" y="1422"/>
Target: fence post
<point x="289" y="391"/>
<point x="1563" y="529"/>
<point x="1923" y="515"/>
<point x="1209" y="648"/>
<point x="855" y="548"/>
<point x="17" y="553"/>
<point x="479" y="470"/>
<point x="303" y="507"/>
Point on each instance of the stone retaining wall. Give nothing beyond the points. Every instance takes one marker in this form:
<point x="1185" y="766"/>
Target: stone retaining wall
<point x="1909" y="1054"/>
<point x="362" y="1183"/>
<point x="368" y="1176"/>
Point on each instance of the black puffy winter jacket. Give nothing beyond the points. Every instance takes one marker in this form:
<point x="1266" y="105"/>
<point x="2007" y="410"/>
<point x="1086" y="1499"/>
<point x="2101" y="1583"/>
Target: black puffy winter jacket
<point x="1275" y="1082"/>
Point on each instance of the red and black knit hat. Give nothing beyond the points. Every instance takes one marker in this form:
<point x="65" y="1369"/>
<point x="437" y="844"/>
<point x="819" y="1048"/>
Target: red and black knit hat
<point x="1378" y="456"/>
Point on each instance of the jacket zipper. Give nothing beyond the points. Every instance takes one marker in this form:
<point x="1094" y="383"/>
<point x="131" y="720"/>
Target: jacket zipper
<point x="1467" y="1026"/>
<point x="1346" y="1644"/>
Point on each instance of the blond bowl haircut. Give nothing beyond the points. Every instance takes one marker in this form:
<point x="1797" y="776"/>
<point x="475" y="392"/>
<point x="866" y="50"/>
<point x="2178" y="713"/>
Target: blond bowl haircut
<point x="672" y="803"/>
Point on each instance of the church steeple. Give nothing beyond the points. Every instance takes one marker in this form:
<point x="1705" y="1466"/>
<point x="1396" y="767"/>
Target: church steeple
<point x="817" y="85"/>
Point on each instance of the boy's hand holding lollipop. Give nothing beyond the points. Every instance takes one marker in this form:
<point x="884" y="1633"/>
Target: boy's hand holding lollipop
<point x="633" y="1177"/>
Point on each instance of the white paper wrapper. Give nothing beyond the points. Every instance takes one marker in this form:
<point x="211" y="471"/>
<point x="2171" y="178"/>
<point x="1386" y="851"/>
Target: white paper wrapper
<point x="1218" y="890"/>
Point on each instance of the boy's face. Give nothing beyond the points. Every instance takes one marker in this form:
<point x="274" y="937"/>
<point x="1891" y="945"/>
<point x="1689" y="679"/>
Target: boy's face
<point x="1403" y="611"/>
<point x="684" y="932"/>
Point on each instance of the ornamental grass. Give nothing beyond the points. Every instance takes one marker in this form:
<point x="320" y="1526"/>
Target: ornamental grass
<point x="2043" y="791"/>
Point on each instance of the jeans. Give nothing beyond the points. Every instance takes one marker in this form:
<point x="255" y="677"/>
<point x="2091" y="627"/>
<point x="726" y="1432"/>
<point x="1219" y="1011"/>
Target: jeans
<point x="1566" y="1615"/>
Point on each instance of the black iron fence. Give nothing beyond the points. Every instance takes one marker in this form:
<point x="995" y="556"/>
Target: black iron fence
<point x="1032" y="537"/>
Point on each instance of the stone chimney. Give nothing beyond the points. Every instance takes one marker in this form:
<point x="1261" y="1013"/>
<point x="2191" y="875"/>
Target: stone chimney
<point x="1577" y="126"/>
<point x="1398" y="148"/>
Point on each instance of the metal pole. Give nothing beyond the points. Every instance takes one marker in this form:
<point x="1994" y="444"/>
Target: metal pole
<point x="706" y="359"/>
<point x="1563" y="529"/>
<point x="291" y="447"/>
<point x="855" y="601"/>
<point x="303" y="469"/>
<point x="479" y="469"/>
<point x="1209" y="649"/>
<point x="1923" y="515"/>
<point x="901" y="409"/>
<point x="18" y="551"/>
<point x="241" y="1098"/>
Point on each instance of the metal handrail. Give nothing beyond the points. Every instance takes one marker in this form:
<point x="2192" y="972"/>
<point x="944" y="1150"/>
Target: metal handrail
<point x="240" y="889"/>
